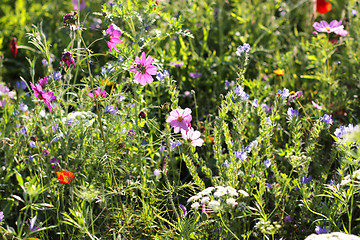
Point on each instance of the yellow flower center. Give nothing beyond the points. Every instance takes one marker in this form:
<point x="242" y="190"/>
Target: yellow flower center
<point x="328" y="28"/>
<point x="180" y="119"/>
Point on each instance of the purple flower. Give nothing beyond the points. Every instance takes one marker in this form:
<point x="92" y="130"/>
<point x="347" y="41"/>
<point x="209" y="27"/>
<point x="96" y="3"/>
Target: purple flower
<point x="144" y="142"/>
<point x="292" y="112"/>
<point x="284" y="93"/>
<point x="267" y="163"/>
<point x="32" y="144"/>
<point x="327" y="119"/>
<point x="315" y="105"/>
<point x="174" y="144"/>
<point x="353" y="12"/>
<point x="108" y="69"/>
<point x="67" y="60"/>
<point x="57" y="75"/>
<point x="268" y="109"/>
<point x="157" y="172"/>
<point x="55" y="128"/>
<point x="183" y="208"/>
<point x="1" y="216"/>
<point x="226" y="163"/>
<point x="70" y="21"/>
<point x="45" y="62"/>
<point x="21" y="84"/>
<point x="241" y="155"/>
<point x="245" y="48"/>
<point x="268" y="120"/>
<point x="342" y="130"/>
<point x="195" y="75"/>
<point x="177" y="63"/>
<point x="31" y="158"/>
<point x="268" y="185"/>
<point x="306" y="179"/>
<point x="24" y="131"/>
<point x="162" y="76"/>
<point x="229" y="84"/>
<point x="56" y="139"/>
<point x="334" y="26"/>
<point x="54" y="162"/>
<point x="23" y="107"/>
<point x="288" y="218"/>
<point x="255" y="103"/>
<point x="320" y="230"/>
<point x="109" y="109"/>
<point x="45" y="152"/>
<point x="76" y="4"/>
<point x="239" y="91"/>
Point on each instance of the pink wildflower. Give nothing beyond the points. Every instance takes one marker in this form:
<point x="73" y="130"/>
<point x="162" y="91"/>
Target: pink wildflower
<point x="112" y="35"/>
<point x="70" y="21"/>
<point x="98" y="92"/>
<point x="67" y="60"/>
<point x="43" y="81"/>
<point x="76" y="4"/>
<point x="180" y="118"/>
<point x="315" y="105"/>
<point x="192" y="136"/>
<point x="143" y="69"/>
<point x="47" y="97"/>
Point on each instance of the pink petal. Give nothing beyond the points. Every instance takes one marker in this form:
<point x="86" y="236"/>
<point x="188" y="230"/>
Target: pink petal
<point x="116" y="40"/>
<point x="151" y="70"/>
<point x="170" y="119"/>
<point x="148" y="61"/>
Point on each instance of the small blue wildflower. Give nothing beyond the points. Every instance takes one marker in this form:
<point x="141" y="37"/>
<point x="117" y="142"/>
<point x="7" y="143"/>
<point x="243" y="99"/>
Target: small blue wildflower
<point x="162" y="149"/>
<point x="268" y="120"/>
<point x="342" y="130"/>
<point x="284" y="93"/>
<point x="162" y="76"/>
<point x="229" y="84"/>
<point x="226" y="163"/>
<point x="31" y="158"/>
<point x="320" y="230"/>
<point x="241" y="155"/>
<point x="183" y="208"/>
<point x="121" y="98"/>
<point x="332" y="183"/>
<point x="327" y="119"/>
<point x="268" y="185"/>
<point x="109" y="109"/>
<point x="267" y="163"/>
<point x="239" y="91"/>
<point x="45" y="62"/>
<point x="195" y="75"/>
<point x="54" y="162"/>
<point x="120" y="59"/>
<point x="55" y="128"/>
<point x="157" y="172"/>
<point x="174" y="144"/>
<point x="21" y="84"/>
<point x="57" y="75"/>
<point x="268" y="109"/>
<point x="306" y="179"/>
<point x="32" y="144"/>
<point x="292" y="112"/>
<point x="24" y="131"/>
<point x="23" y="107"/>
<point x="144" y="142"/>
<point x="55" y="139"/>
<point x="245" y="48"/>
<point x="288" y="218"/>
<point x="353" y="12"/>
<point x="108" y="69"/>
<point x="255" y="103"/>
<point x="251" y="174"/>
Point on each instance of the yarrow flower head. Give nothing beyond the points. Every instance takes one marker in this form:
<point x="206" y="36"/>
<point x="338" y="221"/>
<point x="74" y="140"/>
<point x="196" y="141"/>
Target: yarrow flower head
<point x="333" y="27"/>
<point x="112" y="35"/>
<point x="143" y="69"/>
<point x="245" y="48"/>
<point x="192" y="136"/>
<point x="67" y="60"/>
<point x="180" y="119"/>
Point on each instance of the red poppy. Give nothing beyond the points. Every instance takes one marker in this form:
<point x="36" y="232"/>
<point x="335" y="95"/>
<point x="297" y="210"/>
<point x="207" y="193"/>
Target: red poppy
<point x="13" y="46"/>
<point x="322" y="6"/>
<point x="65" y="177"/>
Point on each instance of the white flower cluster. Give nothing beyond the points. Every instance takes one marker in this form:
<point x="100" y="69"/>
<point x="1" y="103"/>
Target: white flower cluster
<point x="213" y="197"/>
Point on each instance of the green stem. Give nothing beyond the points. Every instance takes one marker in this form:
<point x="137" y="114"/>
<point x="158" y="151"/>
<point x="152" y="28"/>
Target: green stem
<point x="227" y="228"/>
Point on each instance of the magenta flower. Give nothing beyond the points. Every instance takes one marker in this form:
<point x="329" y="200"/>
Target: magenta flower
<point x="70" y="21"/>
<point x="47" y="97"/>
<point x="76" y="4"/>
<point x="67" y="60"/>
<point x="143" y="69"/>
<point x="180" y="119"/>
<point x="334" y="26"/>
<point x="98" y="92"/>
<point x="43" y="81"/>
<point x="192" y="136"/>
<point x="315" y="105"/>
<point x="112" y="35"/>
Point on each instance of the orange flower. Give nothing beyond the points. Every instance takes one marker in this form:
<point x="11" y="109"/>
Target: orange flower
<point x="65" y="177"/>
<point x="322" y="6"/>
<point x="209" y="139"/>
<point x="279" y="72"/>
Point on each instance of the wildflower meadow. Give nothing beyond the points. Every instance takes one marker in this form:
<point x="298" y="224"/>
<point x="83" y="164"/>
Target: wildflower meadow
<point x="188" y="119"/>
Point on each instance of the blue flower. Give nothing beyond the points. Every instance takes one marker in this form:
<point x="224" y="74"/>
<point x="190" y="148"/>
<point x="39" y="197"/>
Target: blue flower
<point x="157" y="172"/>
<point x="45" y="62"/>
<point x="106" y="70"/>
<point x="268" y="121"/>
<point x="284" y="93"/>
<point x="239" y="91"/>
<point x="31" y="158"/>
<point x="245" y="48"/>
<point x="255" y="103"/>
<point x="32" y="144"/>
<point x="320" y="230"/>
<point x="342" y="130"/>
<point x="23" y="107"/>
<point x="241" y="155"/>
<point x="226" y="163"/>
<point x="195" y="75"/>
<point x="57" y="75"/>
<point x="21" y="84"/>
<point x="144" y="142"/>
<point x="267" y="163"/>
<point x="109" y="109"/>
<point x="174" y="144"/>
<point x="306" y="179"/>
<point x="183" y="208"/>
<point x="55" y="127"/>
<point x="162" y="76"/>
<point x="24" y="131"/>
<point x="327" y="119"/>
<point x="292" y="112"/>
<point x="229" y="84"/>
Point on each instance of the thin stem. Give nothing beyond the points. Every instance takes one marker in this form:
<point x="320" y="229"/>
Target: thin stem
<point x="227" y="228"/>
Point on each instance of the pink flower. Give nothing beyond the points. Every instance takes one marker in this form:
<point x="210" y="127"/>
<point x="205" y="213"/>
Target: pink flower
<point x="143" y="69"/>
<point x="76" y="4"/>
<point x="180" y="118"/>
<point x="315" y="105"/>
<point x="323" y="26"/>
<point x="47" y="97"/>
<point x="67" y="60"/>
<point x="98" y="92"/>
<point x="112" y="35"/>
<point x="192" y="136"/>
<point x="341" y="32"/>
<point x="43" y="81"/>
